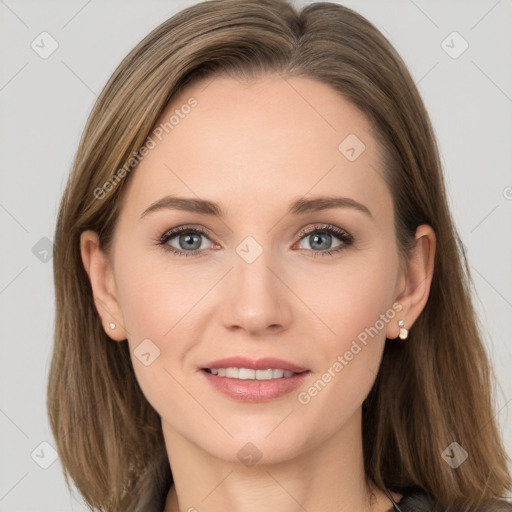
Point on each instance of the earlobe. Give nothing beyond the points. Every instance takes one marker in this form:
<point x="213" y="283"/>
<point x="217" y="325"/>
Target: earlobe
<point x="418" y="279"/>
<point x="99" y="270"/>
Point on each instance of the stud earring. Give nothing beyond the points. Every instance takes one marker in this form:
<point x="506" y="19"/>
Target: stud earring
<point x="112" y="325"/>
<point x="403" y="331"/>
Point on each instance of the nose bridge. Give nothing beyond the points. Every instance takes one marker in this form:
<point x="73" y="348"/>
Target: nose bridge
<point x="255" y="277"/>
<point x="256" y="298"/>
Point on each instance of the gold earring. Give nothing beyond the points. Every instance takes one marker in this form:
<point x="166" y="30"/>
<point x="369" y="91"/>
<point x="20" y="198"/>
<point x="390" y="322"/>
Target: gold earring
<point x="403" y="331"/>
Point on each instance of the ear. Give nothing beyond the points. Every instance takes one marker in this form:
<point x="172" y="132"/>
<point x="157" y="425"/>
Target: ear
<point x="414" y="283"/>
<point x="99" y="269"/>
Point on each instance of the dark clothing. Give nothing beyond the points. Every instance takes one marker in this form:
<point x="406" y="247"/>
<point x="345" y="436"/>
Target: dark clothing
<point x="416" y="500"/>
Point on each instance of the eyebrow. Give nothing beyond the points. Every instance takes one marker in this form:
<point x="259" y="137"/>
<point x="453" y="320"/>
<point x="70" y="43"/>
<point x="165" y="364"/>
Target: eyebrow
<point x="297" y="207"/>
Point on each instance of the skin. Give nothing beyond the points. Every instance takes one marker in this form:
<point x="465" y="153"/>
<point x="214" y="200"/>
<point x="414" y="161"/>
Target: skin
<point x="254" y="147"/>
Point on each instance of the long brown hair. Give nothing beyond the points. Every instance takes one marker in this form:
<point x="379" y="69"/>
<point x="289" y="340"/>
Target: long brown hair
<point x="430" y="391"/>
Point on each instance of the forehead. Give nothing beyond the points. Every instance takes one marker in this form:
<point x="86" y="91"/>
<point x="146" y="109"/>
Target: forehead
<point x="256" y="143"/>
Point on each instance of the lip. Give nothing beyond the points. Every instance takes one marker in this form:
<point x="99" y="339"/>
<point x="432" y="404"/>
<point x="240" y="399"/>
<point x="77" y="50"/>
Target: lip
<point x="255" y="391"/>
<point x="252" y="390"/>
<point x="254" y="364"/>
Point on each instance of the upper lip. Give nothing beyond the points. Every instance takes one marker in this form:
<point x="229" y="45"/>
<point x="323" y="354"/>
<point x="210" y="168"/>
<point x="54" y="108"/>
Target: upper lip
<point x="263" y="363"/>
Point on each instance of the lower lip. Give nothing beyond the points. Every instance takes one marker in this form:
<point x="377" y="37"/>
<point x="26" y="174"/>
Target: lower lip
<point x="251" y="390"/>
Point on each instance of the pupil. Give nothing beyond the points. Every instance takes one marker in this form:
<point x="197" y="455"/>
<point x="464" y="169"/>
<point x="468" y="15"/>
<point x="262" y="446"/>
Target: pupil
<point x="189" y="241"/>
<point x="326" y="244"/>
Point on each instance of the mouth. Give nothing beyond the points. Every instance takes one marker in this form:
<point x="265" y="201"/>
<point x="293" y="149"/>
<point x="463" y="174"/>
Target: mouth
<point x="250" y="374"/>
<point x="249" y="380"/>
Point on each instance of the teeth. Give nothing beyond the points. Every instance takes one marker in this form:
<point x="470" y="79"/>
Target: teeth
<point x="232" y="373"/>
<point x="247" y="373"/>
<point x="244" y="373"/>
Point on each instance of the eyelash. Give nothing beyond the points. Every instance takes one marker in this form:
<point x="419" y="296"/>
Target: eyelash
<point x="341" y="234"/>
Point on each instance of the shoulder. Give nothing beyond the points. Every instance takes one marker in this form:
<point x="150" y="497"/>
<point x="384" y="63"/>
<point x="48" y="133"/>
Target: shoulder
<point x="417" y="500"/>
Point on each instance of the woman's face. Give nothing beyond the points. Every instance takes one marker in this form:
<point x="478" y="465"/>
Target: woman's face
<point x="250" y="283"/>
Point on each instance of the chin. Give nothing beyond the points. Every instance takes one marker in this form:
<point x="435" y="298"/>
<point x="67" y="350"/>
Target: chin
<point x="259" y="447"/>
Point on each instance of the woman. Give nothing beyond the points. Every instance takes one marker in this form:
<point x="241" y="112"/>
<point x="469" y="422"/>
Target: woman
<point x="261" y="299"/>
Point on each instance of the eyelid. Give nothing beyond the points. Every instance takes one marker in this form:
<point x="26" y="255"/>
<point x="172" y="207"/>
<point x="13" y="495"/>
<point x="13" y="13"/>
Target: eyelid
<point x="184" y="228"/>
<point x="321" y="227"/>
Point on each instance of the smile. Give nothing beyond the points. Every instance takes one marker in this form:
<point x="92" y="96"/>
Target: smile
<point x="250" y="374"/>
<point x="253" y="386"/>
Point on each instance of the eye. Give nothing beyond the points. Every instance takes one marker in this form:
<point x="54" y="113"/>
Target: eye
<point x="192" y="241"/>
<point x="320" y="239"/>
<point x="185" y="241"/>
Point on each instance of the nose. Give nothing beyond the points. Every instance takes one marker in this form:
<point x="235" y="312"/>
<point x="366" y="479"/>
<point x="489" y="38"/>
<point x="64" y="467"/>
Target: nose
<point x="256" y="300"/>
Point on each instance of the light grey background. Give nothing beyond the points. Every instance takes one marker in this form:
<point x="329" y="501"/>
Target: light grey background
<point x="44" y="105"/>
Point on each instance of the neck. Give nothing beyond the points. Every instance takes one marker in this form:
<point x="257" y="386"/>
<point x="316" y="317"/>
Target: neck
<point x="327" y="475"/>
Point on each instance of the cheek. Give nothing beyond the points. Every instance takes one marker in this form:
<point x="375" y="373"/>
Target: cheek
<point x="349" y="299"/>
<point x="355" y="306"/>
<point x="154" y="304"/>
<point x="155" y="293"/>
<point x="160" y="301"/>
